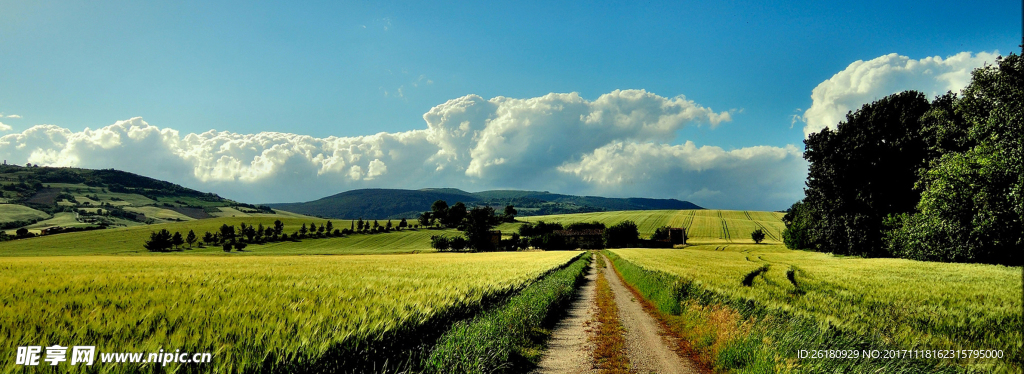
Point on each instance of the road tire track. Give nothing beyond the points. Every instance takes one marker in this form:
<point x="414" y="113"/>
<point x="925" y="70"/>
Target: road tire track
<point x="571" y="348"/>
<point x="648" y="347"/>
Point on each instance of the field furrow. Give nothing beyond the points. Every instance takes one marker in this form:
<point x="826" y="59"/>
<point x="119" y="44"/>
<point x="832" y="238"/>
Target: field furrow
<point x="291" y="309"/>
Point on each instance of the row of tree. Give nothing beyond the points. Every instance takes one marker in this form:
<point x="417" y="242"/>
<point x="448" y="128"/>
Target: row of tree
<point x="553" y="236"/>
<point x="905" y="177"/>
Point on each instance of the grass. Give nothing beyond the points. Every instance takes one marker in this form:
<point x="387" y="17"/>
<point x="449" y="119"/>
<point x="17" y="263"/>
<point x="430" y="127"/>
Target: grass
<point x="807" y="300"/>
<point x="505" y="339"/>
<point x="159" y="213"/>
<point x="702" y="225"/>
<point x="609" y="341"/>
<point x="253" y="314"/>
<point x="14" y="212"/>
<point x="129" y="240"/>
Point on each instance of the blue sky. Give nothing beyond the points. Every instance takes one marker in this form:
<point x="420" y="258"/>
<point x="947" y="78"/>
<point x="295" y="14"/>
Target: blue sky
<point x="353" y="69"/>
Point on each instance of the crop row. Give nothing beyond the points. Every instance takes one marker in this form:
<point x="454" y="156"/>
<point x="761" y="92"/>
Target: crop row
<point x="256" y="313"/>
<point x="803" y="300"/>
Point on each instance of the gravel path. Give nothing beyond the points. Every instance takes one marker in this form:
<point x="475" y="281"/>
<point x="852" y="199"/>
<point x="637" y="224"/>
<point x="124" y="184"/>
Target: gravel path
<point x="648" y="349"/>
<point x="570" y="349"/>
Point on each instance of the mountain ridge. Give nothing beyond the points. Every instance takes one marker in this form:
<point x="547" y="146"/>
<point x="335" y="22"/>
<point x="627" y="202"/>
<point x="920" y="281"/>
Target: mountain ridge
<point x="391" y="203"/>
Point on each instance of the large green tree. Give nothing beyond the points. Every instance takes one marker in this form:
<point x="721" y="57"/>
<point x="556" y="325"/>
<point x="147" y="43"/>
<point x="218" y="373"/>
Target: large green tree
<point x="972" y="205"/>
<point x="863" y="171"/>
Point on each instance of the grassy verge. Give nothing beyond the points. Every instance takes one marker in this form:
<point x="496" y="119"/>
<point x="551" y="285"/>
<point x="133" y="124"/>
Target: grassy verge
<point x="507" y="339"/>
<point x="610" y="344"/>
<point x="735" y="334"/>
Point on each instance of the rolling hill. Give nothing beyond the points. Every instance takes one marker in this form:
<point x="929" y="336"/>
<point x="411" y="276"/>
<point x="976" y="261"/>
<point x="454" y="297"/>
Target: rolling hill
<point x="398" y="203"/>
<point x="36" y="198"/>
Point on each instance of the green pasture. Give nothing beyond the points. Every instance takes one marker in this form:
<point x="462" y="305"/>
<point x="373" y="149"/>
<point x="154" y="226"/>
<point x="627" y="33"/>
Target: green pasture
<point x="14" y="212"/>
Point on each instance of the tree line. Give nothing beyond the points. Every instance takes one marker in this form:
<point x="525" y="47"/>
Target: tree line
<point x="229" y="237"/>
<point x="937" y="181"/>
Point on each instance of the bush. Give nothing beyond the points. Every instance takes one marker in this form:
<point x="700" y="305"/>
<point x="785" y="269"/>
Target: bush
<point x="660" y="233"/>
<point x="440" y="242"/>
<point x="459" y="243"/>
<point x="227" y="247"/>
<point x="622" y="234"/>
<point x="757" y="235"/>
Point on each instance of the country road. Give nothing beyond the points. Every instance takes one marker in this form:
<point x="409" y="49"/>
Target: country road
<point x="648" y="348"/>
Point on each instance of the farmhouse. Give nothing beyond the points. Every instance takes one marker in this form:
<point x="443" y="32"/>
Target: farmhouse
<point x="586" y="239"/>
<point x="51" y="230"/>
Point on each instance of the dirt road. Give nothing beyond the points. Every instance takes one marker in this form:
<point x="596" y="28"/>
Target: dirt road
<point x="571" y="349"/>
<point x="647" y="347"/>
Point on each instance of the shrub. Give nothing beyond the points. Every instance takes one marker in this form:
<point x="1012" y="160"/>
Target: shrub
<point x="459" y="243"/>
<point x="622" y="234"/>
<point x="757" y="235"/>
<point x="440" y="243"/>
<point x="227" y="247"/>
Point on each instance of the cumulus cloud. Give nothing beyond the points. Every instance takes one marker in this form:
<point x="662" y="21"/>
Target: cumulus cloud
<point x="13" y="116"/>
<point x="618" y="144"/>
<point x="4" y="127"/>
<point x="747" y="177"/>
<point x="865" y="81"/>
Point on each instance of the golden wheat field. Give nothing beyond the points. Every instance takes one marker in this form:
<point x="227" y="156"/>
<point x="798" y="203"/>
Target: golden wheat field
<point x="243" y="309"/>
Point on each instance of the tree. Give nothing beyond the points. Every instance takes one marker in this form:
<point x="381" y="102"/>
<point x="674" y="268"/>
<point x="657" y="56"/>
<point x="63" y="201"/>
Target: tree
<point x="243" y="230"/>
<point x="227" y="233"/>
<point x="757" y="235"/>
<point x="320" y="230"/>
<point x="798" y="226"/>
<point x="159" y="241"/>
<point x="425" y="219"/>
<point x="440" y="242"/>
<point x="330" y="227"/>
<point x="375" y="225"/>
<point x="439" y="210"/>
<point x="622" y="234"/>
<point x="458" y="243"/>
<point x="190" y="238"/>
<point x="177" y="240"/>
<point x="403" y="224"/>
<point x="478" y="224"/>
<point x="388" y="225"/>
<point x="862" y="171"/>
<point x="510" y="214"/>
<point x="303" y="230"/>
<point x="278" y="227"/>
<point x="240" y="246"/>
<point x="972" y="205"/>
<point x="260" y="232"/>
<point x="455" y="215"/>
<point x="227" y="247"/>
<point x="250" y="233"/>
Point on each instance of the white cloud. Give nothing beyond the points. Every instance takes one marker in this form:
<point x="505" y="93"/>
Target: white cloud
<point x="4" y="127"/>
<point x="617" y="144"/>
<point x="760" y="176"/>
<point x="865" y="81"/>
<point x="13" y="116"/>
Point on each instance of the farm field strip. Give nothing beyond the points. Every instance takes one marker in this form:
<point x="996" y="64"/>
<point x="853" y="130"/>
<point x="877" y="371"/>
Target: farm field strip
<point x="763" y="228"/>
<point x="289" y="308"/>
<point x="129" y="240"/>
<point x="701" y="224"/>
<point x="913" y="304"/>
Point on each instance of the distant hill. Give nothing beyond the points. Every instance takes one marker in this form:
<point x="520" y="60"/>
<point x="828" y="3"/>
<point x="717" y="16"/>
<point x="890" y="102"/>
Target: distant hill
<point x="377" y="203"/>
<point x="36" y="198"/>
<point x="398" y="203"/>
